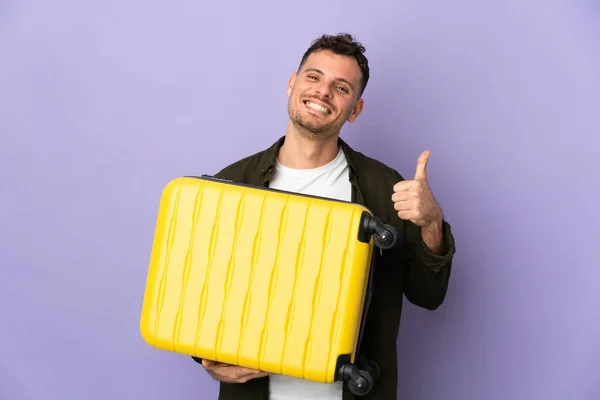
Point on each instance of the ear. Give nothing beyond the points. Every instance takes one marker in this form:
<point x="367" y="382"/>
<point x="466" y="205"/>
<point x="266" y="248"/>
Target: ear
<point x="290" y="84"/>
<point x="358" y="107"/>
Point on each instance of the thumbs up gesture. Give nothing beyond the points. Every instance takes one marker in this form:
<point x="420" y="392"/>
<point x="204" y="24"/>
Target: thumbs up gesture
<point x="413" y="199"/>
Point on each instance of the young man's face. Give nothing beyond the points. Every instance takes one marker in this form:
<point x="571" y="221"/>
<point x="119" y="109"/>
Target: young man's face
<point x="325" y="94"/>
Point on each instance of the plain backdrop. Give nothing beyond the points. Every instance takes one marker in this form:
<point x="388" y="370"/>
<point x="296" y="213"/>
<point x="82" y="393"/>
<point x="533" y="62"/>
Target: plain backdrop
<point x="102" y="103"/>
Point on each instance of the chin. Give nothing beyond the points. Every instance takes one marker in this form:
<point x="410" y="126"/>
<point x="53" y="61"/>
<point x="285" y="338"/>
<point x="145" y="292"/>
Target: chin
<point x="309" y="126"/>
<point x="306" y="127"/>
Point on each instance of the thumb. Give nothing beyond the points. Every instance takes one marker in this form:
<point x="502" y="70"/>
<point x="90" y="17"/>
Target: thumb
<point x="421" y="172"/>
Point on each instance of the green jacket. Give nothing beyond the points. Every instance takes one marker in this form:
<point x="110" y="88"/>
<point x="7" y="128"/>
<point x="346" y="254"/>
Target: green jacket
<point x="411" y="269"/>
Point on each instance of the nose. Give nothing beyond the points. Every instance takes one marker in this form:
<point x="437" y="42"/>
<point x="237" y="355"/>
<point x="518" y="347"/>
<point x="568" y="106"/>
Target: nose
<point x="324" y="89"/>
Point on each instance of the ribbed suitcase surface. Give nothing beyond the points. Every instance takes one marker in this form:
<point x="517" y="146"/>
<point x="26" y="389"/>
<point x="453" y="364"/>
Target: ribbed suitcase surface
<point x="256" y="277"/>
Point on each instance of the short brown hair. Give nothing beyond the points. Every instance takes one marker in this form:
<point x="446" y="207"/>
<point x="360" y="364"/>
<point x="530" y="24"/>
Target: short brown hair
<point x="343" y="44"/>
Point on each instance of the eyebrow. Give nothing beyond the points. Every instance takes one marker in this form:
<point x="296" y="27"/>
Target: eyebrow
<point x="321" y="72"/>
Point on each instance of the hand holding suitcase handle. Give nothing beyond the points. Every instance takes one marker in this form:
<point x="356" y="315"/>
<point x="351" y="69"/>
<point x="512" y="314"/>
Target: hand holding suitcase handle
<point x="231" y="373"/>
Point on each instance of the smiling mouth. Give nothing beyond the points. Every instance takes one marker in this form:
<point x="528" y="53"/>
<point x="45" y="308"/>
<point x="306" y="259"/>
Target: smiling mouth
<point x="316" y="107"/>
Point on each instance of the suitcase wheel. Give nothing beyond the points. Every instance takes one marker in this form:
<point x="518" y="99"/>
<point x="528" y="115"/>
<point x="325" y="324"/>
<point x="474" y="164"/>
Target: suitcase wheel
<point x="360" y="381"/>
<point x="373" y="369"/>
<point x="368" y="365"/>
<point x="388" y="238"/>
<point x="385" y="235"/>
<point x="361" y="385"/>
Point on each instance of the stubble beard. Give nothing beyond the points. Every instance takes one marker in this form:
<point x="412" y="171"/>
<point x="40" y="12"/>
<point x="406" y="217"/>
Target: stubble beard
<point x="307" y="127"/>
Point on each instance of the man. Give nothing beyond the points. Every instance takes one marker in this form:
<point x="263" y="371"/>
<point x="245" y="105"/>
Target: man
<point x="310" y="158"/>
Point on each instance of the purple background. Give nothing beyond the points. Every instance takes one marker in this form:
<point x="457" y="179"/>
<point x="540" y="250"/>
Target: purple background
<point x="102" y="103"/>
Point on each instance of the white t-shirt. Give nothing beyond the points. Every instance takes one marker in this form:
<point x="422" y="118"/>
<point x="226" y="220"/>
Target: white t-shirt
<point x="331" y="181"/>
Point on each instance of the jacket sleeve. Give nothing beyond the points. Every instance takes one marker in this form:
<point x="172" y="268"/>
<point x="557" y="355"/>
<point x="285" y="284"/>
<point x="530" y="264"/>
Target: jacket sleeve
<point x="426" y="273"/>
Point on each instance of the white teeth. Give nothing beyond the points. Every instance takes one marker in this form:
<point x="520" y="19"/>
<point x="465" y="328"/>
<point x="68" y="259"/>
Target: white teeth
<point x="317" y="107"/>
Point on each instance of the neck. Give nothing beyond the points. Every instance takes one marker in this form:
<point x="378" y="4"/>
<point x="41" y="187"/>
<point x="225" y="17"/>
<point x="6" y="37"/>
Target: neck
<point x="301" y="152"/>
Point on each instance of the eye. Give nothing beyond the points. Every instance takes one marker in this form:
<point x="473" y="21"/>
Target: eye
<point x="313" y="77"/>
<point x="343" y="89"/>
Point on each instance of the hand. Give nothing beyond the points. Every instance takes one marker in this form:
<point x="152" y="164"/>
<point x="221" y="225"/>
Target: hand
<point x="231" y="373"/>
<point x="413" y="198"/>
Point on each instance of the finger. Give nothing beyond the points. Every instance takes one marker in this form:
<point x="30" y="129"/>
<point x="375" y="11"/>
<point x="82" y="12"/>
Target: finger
<point x="248" y="371"/>
<point x="406" y="214"/>
<point x="410" y="195"/>
<point x="245" y="374"/>
<point x="236" y="370"/>
<point x="229" y="373"/>
<point x="421" y="172"/>
<point x="400" y="196"/>
<point x="246" y="378"/>
<point x="405" y="185"/>
<point x="209" y="364"/>
<point x="403" y="206"/>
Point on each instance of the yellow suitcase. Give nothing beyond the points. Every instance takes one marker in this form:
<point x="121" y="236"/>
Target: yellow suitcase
<point x="263" y="278"/>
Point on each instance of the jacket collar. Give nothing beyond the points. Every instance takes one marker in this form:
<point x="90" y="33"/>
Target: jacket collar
<point x="269" y="158"/>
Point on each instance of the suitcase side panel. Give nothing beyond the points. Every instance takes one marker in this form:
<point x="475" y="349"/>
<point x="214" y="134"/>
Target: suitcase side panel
<point x="178" y="266"/>
<point x="164" y="228"/>
<point x="256" y="278"/>
<point x="329" y="294"/>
